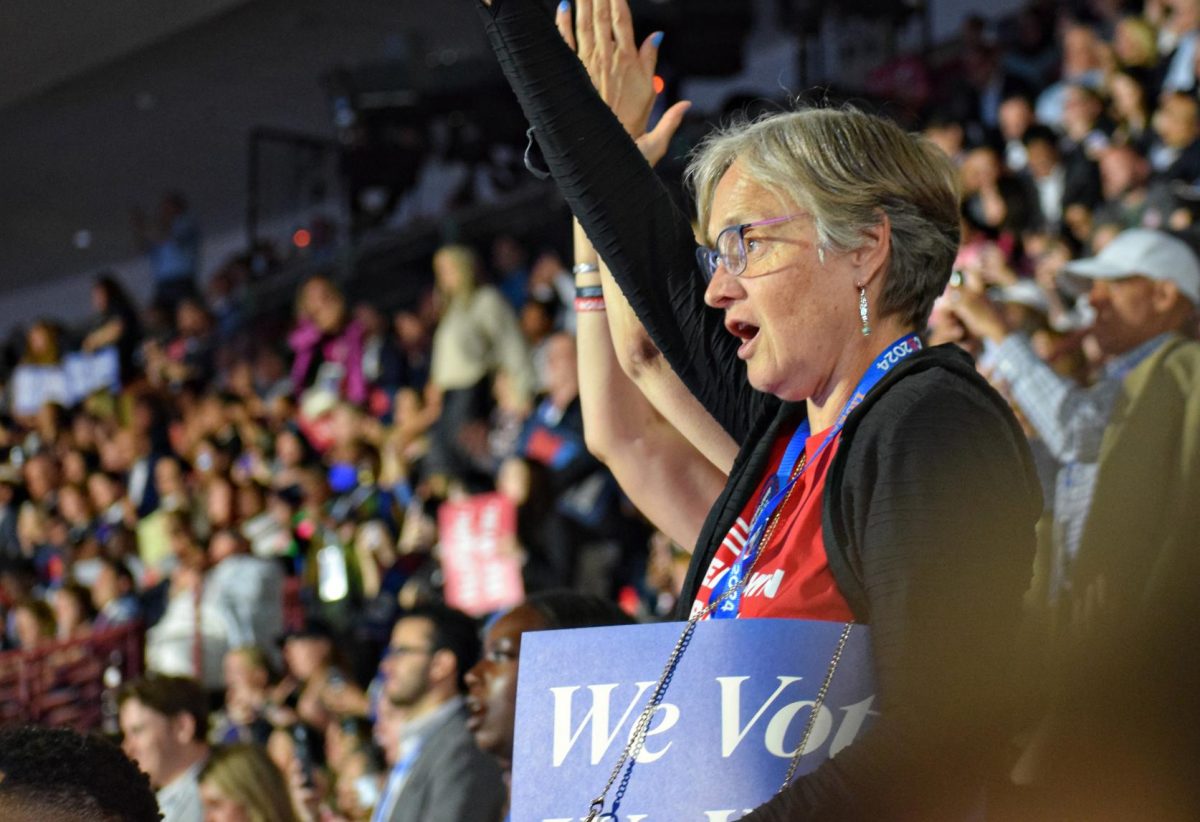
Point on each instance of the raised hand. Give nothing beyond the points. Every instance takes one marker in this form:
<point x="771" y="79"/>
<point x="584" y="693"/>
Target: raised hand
<point x="622" y="72"/>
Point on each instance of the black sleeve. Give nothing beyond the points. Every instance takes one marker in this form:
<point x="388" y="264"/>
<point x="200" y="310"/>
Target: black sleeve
<point x="938" y="506"/>
<point x="628" y="214"/>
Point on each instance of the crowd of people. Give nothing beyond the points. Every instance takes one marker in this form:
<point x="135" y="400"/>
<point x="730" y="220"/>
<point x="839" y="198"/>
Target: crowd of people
<point x="266" y="505"/>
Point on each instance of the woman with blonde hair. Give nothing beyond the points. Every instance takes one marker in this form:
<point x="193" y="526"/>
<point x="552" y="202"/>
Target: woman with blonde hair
<point x="240" y="783"/>
<point x="477" y="337"/>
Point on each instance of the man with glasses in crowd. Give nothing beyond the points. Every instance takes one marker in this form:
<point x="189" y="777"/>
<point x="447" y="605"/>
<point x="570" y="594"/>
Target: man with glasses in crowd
<point x="439" y="774"/>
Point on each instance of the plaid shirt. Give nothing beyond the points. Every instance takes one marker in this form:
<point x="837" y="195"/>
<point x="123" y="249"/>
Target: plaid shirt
<point x="1071" y="421"/>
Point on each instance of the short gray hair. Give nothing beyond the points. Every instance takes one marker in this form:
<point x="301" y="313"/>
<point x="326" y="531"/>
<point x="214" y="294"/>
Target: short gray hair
<point x="848" y="168"/>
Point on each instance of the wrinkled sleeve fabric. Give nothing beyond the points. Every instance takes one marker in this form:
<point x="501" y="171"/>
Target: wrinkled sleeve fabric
<point x="1071" y="420"/>
<point x="938" y="512"/>
<point x="644" y="238"/>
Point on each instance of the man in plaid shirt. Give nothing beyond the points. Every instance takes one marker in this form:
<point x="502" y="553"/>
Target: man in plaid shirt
<point x="1145" y="286"/>
<point x="1121" y="727"/>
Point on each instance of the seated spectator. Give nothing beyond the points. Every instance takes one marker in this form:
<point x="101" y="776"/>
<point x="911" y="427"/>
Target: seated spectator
<point x="1081" y="65"/>
<point x="271" y="378"/>
<point x="947" y="134"/>
<point x="1032" y="56"/>
<point x="33" y="623"/>
<point x="42" y="480"/>
<point x="43" y="344"/>
<point x="193" y="633"/>
<point x="76" y="509"/>
<point x="579" y="502"/>
<point x="551" y="282"/>
<point x="10" y="544"/>
<point x="18" y="581"/>
<point x="1015" y="117"/>
<point x="164" y="721"/>
<point x="1131" y="200"/>
<point x="414" y="339"/>
<point x="107" y="496"/>
<point x="188" y="355"/>
<point x="1176" y="153"/>
<point x="382" y="364"/>
<point x="996" y="203"/>
<point x="57" y="775"/>
<point x="132" y="453"/>
<point x="247" y="698"/>
<point x="983" y="84"/>
<point x="537" y="322"/>
<point x="359" y="783"/>
<point x="1177" y="63"/>
<point x="113" y="595"/>
<point x="1085" y="125"/>
<point x="1130" y="109"/>
<point x="241" y="782"/>
<point x="1058" y="185"/>
<point x="1136" y="48"/>
<point x="327" y="344"/>
<point x="73" y="611"/>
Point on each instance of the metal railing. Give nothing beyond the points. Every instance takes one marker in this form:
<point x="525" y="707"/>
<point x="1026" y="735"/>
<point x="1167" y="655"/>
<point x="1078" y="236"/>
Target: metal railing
<point x="64" y="684"/>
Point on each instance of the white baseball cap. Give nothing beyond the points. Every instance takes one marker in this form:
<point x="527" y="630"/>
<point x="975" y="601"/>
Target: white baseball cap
<point x="1153" y="254"/>
<point x="1022" y="292"/>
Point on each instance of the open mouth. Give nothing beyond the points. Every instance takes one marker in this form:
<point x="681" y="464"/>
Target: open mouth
<point x="746" y="332"/>
<point x="743" y="331"/>
<point x="475" y="713"/>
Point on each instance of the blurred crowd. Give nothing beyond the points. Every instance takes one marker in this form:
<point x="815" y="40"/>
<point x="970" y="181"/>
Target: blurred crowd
<point x="262" y="496"/>
<point x="265" y="505"/>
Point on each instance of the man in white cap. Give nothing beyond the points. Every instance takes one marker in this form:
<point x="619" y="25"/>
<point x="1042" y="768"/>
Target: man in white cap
<point x="1125" y="569"/>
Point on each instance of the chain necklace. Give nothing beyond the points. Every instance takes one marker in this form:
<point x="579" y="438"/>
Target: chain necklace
<point x="640" y="729"/>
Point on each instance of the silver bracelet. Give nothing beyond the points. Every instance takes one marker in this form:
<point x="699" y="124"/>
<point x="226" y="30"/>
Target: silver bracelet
<point x="584" y="268"/>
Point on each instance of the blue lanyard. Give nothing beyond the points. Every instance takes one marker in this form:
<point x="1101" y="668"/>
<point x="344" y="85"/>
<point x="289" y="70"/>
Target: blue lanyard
<point x="396" y="780"/>
<point x="780" y="483"/>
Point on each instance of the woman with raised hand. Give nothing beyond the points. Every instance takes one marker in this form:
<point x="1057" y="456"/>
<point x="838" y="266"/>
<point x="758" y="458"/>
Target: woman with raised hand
<point x="878" y="481"/>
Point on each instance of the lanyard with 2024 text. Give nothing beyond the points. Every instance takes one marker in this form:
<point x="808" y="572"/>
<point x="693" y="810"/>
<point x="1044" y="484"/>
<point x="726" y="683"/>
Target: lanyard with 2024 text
<point x="731" y="588"/>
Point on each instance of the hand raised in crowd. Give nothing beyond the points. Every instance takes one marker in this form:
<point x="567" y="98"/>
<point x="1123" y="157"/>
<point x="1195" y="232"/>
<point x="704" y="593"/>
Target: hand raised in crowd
<point x="977" y="313"/>
<point x="622" y="72"/>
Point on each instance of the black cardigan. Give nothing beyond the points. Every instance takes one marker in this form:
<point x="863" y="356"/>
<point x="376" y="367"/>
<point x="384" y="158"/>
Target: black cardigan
<point x="929" y="505"/>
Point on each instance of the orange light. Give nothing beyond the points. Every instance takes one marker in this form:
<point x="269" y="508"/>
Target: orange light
<point x="302" y="238"/>
<point x="659" y="84"/>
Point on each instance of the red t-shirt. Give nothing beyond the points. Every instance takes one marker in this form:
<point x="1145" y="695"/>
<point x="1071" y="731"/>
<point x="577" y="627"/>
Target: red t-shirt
<point x="791" y="578"/>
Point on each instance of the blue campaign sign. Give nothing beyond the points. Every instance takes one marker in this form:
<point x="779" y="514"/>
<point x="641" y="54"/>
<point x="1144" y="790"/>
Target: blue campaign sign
<point x="720" y="742"/>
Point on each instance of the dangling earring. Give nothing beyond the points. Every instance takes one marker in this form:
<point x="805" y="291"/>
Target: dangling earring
<point x="821" y="254"/>
<point x="862" y="310"/>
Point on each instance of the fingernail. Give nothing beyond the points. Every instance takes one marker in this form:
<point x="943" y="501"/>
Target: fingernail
<point x="564" y="6"/>
<point x="656" y="38"/>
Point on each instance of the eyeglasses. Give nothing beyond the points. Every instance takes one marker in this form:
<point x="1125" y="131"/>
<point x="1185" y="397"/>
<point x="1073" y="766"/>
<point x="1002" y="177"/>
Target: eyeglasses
<point x="404" y="650"/>
<point x="730" y="248"/>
